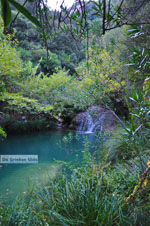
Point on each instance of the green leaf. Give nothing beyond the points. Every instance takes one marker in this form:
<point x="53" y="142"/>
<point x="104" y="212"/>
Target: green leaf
<point x="25" y="12"/>
<point x="2" y="133"/>
<point x="95" y="8"/>
<point x="5" y="12"/>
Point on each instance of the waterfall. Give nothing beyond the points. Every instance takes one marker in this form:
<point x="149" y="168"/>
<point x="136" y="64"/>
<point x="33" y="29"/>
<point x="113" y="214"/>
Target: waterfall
<point x="86" y="123"/>
<point x="94" y="119"/>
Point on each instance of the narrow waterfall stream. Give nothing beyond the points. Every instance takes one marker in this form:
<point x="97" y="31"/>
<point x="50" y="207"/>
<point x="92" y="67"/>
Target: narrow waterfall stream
<point x="95" y="119"/>
<point x="86" y="124"/>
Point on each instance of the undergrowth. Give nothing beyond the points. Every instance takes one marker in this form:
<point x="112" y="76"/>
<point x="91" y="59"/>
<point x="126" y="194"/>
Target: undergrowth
<point x="90" y="194"/>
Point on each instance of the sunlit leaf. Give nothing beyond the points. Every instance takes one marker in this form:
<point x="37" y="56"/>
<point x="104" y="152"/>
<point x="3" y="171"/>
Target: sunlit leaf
<point x="25" y="12"/>
<point x="5" y="12"/>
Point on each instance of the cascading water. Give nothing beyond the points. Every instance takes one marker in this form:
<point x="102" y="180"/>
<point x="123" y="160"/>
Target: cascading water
<point x="95" y="119"/>
<point x="86" y="123"/>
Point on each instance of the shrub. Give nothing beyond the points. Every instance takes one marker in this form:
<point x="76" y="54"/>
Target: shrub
<point x="10" y="62"/>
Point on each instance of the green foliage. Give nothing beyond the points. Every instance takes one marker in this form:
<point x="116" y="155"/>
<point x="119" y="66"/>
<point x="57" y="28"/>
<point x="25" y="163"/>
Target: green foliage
<point x="139" y="61"/>
<point x="63" y="50"/>
<point x="126" y="144"/>
<point x="20" y="104"/>
<point x="10" y="62"/>
<point x="139" y="53"/>
<point x="109" y="192"/>
<point x="104" y="70"/>
<point x="2" y="87"/>
<point x="42" y="86"/>
<point x="2" y="133"/>
<point x="29" y="70"/>
<point x="139" y="108"/>
<point x="11" y="72"/>
<point x="6" y="12"/>
<point x="51" y="64"/>
<point x="62" y="91"/>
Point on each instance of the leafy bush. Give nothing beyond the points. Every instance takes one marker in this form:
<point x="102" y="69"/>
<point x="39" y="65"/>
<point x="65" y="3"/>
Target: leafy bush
<point x="10" y="62"/>
<point x="104" y="69"/>
<point x="20" y="104"/>
<point x="41" y="86"/>
<point x="2" y="133"/>
<point x="60" y="90"/>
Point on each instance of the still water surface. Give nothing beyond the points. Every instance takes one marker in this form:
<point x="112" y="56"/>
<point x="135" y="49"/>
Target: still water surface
<point x="49" y="146"/>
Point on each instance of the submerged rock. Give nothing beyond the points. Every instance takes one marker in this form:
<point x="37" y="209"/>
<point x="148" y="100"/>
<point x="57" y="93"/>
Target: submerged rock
<point x="96" y="118"/>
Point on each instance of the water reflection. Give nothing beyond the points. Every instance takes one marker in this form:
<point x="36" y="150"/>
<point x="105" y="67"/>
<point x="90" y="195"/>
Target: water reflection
<point x="49" y="146"/>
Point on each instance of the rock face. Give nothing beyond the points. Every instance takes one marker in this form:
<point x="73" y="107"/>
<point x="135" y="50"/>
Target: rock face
<point x="94" y="119"/>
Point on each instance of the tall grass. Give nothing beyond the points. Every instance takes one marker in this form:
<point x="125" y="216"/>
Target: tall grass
<point x="90" y="195"/>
